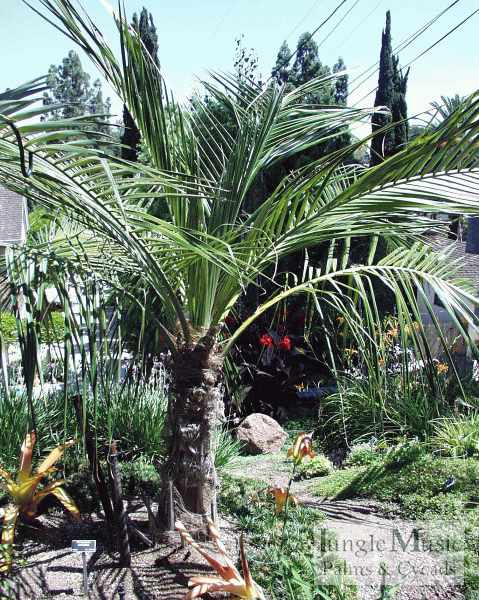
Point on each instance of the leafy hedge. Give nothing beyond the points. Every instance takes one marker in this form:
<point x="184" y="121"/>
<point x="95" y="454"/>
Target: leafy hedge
<point x="51" y="330"/>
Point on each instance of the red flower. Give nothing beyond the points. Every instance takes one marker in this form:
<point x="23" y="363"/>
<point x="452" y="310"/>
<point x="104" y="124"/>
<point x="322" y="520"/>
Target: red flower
<point x="267" y="341"/>
<point x="280" y="327"/>
<point x="285" y="343"/>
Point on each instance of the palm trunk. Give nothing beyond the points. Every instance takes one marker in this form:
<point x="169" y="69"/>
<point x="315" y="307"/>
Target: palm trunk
<point x="195" y="412"/>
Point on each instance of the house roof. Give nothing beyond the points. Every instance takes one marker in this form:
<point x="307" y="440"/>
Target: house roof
<point x="469" y="263"/>
<point x="12" y="217"/>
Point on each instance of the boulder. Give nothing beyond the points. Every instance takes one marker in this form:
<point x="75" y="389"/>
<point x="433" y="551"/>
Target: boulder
<point x="261" y="434"/>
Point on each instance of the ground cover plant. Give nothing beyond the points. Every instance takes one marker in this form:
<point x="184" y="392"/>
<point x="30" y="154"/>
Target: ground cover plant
<point x="410" y="481"/>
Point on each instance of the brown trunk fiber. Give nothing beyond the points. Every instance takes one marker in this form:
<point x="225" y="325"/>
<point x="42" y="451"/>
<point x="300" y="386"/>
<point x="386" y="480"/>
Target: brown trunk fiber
<point x="196" y="410"/>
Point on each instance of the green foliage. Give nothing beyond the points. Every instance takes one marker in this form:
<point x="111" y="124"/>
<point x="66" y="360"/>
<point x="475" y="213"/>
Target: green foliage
<point x="318" y="466"/>
<point x="70" y="85"/>
<point x="9" y="328"/>
<point x="226" y="448"/>
<point x="391" y="93"/>
<point x="140" y="475"/>
<point x="131" y="138"/>
<point x="244" y="499"/>
<point x="458" y="435"/>
<point x="52" y="328"/>
<point x="361" y="455"/>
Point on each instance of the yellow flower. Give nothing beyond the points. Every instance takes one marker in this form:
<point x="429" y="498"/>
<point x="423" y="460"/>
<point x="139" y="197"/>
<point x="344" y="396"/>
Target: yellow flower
<point x="350" y="351"/>
<point x="441" y="368"/>
<point x="393" y="332"/>
<point x="231" y="581"/>
<point x="381" y="362"/>
<point x="407" y="329"/>
<point x="303" y="446"/>
<point x="341" y="320"/>
<point x="416" y="325"/>
<point x="280" y="495"/>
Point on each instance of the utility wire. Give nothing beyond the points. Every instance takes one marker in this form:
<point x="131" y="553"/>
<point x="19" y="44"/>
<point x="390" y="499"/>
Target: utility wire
<point x="401" y="46"/>
<point x="334" y="28"/>
<point x="221" y="23"/>
<point x="425" y="51"/>
<point x="315" y="5"/>
<point x="305" y="41"/>
<point x="354" y="30"/>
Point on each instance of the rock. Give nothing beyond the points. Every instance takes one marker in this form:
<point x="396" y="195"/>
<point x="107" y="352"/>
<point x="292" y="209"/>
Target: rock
<point x="261" y="434"/>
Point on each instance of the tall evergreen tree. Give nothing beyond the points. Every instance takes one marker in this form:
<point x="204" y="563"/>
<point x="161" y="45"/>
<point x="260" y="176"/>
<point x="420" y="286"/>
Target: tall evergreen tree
<point x="391" y="92"/>
<point x="70" y="85"/>
<point x="131" y="137"/>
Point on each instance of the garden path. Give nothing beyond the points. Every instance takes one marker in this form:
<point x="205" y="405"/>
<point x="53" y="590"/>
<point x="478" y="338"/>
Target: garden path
<point x="51" y="570"/>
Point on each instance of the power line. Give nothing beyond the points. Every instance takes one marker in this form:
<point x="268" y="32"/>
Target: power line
<point x="354" y="30"/>
<point x="305" y="41"/>
<point x="221" y="23"/>
<point x="425" y="51"/>
<point x="402" y="46"/>
<point x="334" y="28"/>
<point x="315" y="5"/>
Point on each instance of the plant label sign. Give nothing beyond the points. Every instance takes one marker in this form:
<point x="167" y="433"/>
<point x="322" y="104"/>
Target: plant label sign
<point x="83" y="545"/>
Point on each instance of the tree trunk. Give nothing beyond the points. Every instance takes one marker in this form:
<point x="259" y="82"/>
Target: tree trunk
<point x="195" y="412"/>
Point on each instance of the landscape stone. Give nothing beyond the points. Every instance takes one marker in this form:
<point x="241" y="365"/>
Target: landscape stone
<point x="261" y="434"/>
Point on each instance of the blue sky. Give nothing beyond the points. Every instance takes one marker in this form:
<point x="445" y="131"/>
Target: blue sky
<point x="199" y="36"/>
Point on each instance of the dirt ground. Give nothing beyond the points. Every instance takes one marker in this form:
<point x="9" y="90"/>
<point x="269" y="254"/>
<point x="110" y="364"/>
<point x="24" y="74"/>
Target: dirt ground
<point x="47" y="568"/>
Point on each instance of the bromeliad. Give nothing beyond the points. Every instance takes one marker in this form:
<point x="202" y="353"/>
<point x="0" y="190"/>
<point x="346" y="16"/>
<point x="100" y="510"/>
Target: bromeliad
<point x="231" y="581"/>
<point x="25" y="498"/>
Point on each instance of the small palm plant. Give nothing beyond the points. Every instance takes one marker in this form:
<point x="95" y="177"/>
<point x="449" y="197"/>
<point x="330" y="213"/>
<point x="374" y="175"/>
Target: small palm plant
<point x="25" y="498"/>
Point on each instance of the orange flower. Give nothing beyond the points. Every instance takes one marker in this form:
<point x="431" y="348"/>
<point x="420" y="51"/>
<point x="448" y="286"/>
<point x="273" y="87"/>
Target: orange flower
<point x="303" y="446"/>
<point x="393" y="332"/>
<point x="407" y="329"/>
<point x="416" y="325"/>
<point x="280" y="495"/>
<point x="381" y="362"/>
<point x="341" y="320"/>
<point x="231" y="581"/>
<point x="341" y="333"/>
<point x="441" y="368"/>
<point x="350" y="351"/>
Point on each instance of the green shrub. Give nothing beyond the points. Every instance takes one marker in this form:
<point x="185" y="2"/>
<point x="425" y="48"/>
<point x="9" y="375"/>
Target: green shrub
<point x="457" y="435"/>
<point x="319" y="466"/>
<point x="9" y="328"/>
<point x="139" y="476"/>
<point x="361" y="454"/>
<point x="404" y="453"/>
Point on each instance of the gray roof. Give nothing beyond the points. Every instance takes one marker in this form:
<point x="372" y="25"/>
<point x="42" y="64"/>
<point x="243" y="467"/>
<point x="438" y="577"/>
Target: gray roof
<point x="12" y="217"/>
<point x="469" y="263"/>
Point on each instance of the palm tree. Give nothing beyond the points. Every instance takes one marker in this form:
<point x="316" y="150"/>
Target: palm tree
<point x="198" y="263"/>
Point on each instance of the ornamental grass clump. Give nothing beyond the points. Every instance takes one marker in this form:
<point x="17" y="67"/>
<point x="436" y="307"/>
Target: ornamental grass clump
<point x="25" y="498"/>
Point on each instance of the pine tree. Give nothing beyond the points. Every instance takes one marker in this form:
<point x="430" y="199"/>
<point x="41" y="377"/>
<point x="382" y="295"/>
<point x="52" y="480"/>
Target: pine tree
<point x="391" y="92"/>
<point x="131" y="137"/>
<point x="70" y="85"/>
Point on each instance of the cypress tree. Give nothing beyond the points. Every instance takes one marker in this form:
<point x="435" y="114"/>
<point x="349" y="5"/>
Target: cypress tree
<point x="391" y="92"/>
<point x="131" y="137"/>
